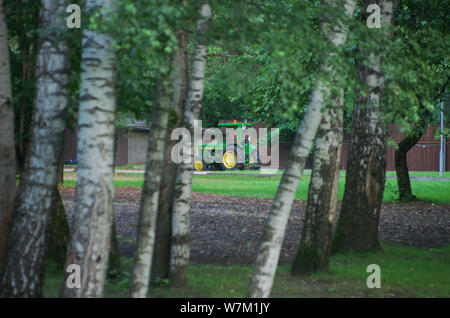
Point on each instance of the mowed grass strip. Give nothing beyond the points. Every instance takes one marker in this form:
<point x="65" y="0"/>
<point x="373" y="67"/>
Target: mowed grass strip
<point x="266" y="187"/>
<point x="307" y="172"/>
<point x="405" y="272"/>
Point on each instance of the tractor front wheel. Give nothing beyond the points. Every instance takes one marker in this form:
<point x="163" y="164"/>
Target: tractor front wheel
<point x="198" y="165"/>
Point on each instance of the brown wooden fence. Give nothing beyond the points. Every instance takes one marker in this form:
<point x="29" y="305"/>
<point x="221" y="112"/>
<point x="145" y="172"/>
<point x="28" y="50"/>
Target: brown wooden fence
<point x="424" y="156"/>
<point x="70" y="147"/>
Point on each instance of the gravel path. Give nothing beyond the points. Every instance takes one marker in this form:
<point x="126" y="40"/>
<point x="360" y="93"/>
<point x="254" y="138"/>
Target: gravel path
<point x="226" y="230"/>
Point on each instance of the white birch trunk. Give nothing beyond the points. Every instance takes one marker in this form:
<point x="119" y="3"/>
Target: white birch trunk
<point x="7" y="146"/>
<point x="357" y="227"/>
<point x="91" y="236"/>
<point x="27" y="238"/>
<point x="161" y="256"/>
<point x="150" y="197"/>
<point x="183" y="182"/>
<point x="314" y="251"/>
<point x="272" y="239"/>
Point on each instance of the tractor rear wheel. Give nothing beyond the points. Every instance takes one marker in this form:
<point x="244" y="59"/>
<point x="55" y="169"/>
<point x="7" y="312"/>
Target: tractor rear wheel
<point x="254" y="165"/>
<point x="230" y="159"/>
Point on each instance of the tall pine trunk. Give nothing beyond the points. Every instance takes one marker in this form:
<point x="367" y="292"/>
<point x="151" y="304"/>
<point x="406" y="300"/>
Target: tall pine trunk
<point x="161" y="257"/>
<point x="183" y="182"/>
<point x="357" y="228"/>
<point x="27" y="239"/>
<point x="91" y="235"/>
<point x="315" y="245"/>
<point x="275" y="227"/>
<point x="157" y="143"/>
<point x="8" y="163"/>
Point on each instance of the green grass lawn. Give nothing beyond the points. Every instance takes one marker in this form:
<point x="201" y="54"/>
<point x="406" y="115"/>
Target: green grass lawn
<point x="266" y="187"/>
<point x="422" y="174"/>
<point x="430" y="191"/>
<point x="405" y="272"/>
<point x="131" y="167"/>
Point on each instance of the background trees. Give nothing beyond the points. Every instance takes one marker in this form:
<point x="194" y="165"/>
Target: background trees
<point x="7" y="149"/>
<point x="23" y="22"/>
<point x="418" y="77"/>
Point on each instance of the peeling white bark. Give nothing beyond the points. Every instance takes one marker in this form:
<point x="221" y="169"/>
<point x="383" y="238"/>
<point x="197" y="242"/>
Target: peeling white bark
<point x="269" y="250"/>
<point x="26" y="243"/>
<point x="161" y="257"/>
<point x="91" y="236"/>
<point x="7" y="147"/>
<point x="149" y="207"/>
<point x="314" y="251"/>
<point x="183" y="182"/>
<point x="357" y="228"/>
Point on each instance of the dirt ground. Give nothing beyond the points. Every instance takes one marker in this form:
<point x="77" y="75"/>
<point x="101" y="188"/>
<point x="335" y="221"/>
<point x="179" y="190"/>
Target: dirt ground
<point x="226" y="230"/>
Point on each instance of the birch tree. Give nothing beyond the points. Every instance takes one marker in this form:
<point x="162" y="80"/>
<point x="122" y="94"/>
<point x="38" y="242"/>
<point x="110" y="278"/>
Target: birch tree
<point x="91" y="235"/>
<point x="183" y="181"/>
<point x="27" y="238"/>
<point x="7" y="147"/>
<point x="315" y="244"/>
<point x="150" y="196"/>
<point x="272" y="238"/>
<point x="357" y="228"/>
<point x="161" y="257"/>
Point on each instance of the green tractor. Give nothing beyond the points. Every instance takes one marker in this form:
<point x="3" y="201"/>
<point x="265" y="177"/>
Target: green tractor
<point x="227" y="157"/>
